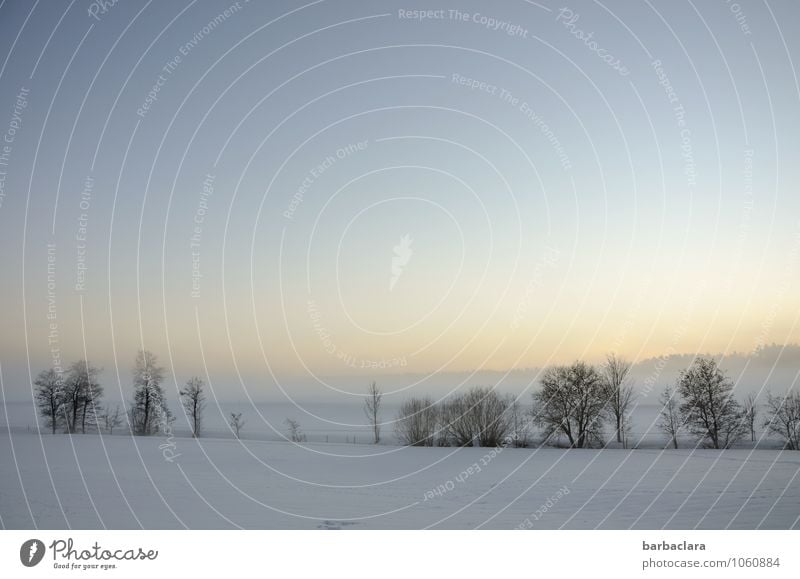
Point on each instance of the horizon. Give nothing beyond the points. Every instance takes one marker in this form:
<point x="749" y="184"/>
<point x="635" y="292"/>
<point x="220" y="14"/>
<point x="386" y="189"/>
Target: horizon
<point x="402" y="385"/>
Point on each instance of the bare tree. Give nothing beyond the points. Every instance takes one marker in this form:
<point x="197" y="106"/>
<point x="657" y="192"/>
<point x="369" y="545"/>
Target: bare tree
<point x="416" y="422"/>
<point x="295" y="434"/>
<point x="82" y="394"/>
<point x="519" y="422"/>
<point x="93" y="392"/>
<point x="571" y="402"/>
<point x="783" y="418"/>
<point x="236" y="423"/>
<point x="669" y="420"/>
<point x="478" y="418"/>
<point x="441" y="432"/>
<point x="73" y="398"/>
<point x="750" y="414"/>
<point x="194" y="401"/>
<point x="149" y="411"/>
<point x="708" y="408"/>
<point x="615" y="373"/>
<point x="112" y="420"/>
<point x="372" y="406"/>
<point x="50" y="397"/>
<point x="449" y="423"/>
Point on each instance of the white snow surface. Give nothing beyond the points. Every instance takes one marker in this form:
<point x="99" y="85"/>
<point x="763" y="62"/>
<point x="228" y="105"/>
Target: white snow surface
<point x="122" y="482"/>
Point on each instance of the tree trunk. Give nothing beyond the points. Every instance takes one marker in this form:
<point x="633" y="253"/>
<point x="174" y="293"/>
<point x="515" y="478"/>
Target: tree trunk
<point x="146" y="417"/>
<point x="568" y="432"/>
<point x="74" y="414"/>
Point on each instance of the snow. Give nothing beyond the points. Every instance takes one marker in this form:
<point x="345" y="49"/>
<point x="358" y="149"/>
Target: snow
<point x="121" y="482"/>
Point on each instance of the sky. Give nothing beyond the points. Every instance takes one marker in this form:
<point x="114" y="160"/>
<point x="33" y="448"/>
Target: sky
<point x="290" y="198"/>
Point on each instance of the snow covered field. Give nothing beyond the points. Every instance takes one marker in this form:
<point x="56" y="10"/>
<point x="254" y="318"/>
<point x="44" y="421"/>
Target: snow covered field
<point x="87" y="482"/>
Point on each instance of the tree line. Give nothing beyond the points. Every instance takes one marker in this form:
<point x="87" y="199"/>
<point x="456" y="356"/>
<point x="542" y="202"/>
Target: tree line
<point x="581" y="402"/>
<point x="578" y="402"/>
<point x="71" y="401"/>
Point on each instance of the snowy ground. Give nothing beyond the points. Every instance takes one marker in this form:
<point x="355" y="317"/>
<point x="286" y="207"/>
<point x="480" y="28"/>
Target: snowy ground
<point x="121" y="482"/>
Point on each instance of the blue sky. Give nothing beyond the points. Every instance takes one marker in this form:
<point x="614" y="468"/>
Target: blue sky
<point x="557" y="208"/>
